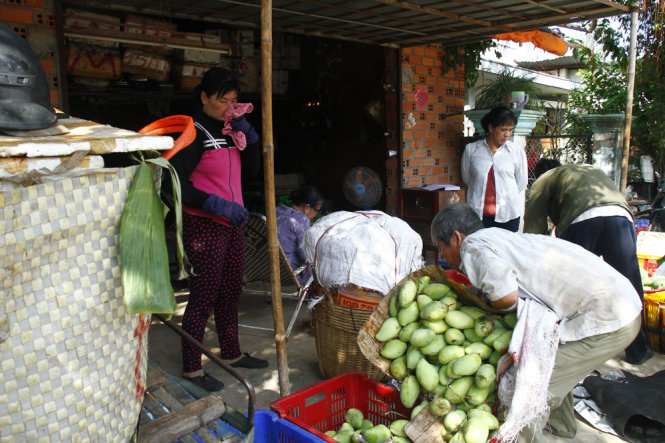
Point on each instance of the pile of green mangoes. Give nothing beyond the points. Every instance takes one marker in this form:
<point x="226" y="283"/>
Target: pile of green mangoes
<point x="440" y="347"/>
<point x="357" y="429"/>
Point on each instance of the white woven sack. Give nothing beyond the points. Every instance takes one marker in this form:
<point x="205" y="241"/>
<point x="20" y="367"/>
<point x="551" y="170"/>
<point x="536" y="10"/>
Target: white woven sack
<point x="369" y="249"/>
<point x="73" y="360"/>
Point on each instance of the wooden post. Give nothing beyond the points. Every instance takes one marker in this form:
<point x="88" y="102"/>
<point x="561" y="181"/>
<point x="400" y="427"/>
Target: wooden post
<point x="269" y="188"/>
<point x="628" y="122"/>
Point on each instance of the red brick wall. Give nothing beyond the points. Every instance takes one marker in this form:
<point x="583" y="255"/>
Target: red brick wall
<point x="431" y="137"/>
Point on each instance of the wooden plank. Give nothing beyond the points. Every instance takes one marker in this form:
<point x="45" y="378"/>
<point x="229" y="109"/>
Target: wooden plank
<point x="151" y="405"/>
<point x="167" y="399"/>
<point x="184" y="421"/>
<point x="425" y="428"/>
<point x="155" y="379"/>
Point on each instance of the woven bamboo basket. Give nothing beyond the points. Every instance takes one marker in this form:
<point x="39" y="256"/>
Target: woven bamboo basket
<point x="73" y="360"/>
<point x="336" y="330"/>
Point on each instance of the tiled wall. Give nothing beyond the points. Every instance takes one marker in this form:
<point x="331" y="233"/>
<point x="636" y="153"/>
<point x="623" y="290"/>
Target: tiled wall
<point x="34" y="20"/>
<point x="432" y="103"/>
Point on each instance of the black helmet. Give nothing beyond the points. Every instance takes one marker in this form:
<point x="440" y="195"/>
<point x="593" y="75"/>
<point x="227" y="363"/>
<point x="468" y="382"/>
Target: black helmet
<point x="24" y="91"/>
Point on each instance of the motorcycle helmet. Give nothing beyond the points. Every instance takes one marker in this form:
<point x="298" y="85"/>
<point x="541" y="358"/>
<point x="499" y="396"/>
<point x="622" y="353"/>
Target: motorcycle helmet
<point x="24" y="91"/>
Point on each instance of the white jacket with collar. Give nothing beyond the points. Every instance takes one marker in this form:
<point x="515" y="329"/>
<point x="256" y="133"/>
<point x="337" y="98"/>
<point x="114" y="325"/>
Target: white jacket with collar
<point x="510" y="177"/>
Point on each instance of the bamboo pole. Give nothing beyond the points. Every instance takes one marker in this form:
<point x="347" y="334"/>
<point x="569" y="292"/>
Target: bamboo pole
<point x="269" y="188"/>
<point x="628" y="122"/>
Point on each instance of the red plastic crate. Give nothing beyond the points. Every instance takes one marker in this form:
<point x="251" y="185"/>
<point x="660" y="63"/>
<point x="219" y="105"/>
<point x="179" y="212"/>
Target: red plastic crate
<point x="321" y="407"/>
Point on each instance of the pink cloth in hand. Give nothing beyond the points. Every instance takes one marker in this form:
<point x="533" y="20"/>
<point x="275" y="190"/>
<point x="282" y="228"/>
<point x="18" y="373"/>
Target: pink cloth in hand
<point x="235" y="111"/>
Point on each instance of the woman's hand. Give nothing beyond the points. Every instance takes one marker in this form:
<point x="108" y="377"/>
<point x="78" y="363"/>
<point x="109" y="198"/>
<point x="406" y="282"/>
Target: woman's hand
<point x="220" y="207"/>
<point x="241" y="124"/>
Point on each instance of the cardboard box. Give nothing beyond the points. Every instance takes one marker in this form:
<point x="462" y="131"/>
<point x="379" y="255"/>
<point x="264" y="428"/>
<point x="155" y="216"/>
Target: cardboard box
<point x="90" y="22"/>
<point x="199" y="55"/>
<point x="188" y="75"/>
<point x="153" y="66"/>
<point x="138" y="24"/>
<point x="93" y="61"/>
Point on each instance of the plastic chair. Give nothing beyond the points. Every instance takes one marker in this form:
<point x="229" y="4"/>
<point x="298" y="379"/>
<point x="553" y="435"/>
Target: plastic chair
<point x="257" y="265"/>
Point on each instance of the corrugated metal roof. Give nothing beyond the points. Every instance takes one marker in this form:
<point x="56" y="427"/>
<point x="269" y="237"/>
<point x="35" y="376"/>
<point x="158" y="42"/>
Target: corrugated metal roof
<point x="559" y="62"/>
<point x="378" y="22"/>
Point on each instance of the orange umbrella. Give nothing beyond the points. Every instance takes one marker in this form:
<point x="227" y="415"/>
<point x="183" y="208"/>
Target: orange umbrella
<point x="542" y="38"/>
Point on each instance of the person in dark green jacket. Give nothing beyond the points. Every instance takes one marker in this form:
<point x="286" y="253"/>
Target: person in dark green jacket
<point x="588" y="209"/>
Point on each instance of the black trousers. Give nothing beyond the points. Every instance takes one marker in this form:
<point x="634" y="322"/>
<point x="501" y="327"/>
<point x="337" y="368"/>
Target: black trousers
<point x="511" y="225"/>
<point x="614" y="239"/>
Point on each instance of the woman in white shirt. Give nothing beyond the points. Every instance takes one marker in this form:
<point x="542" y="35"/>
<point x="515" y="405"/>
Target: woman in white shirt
<point x="495" y="172"/>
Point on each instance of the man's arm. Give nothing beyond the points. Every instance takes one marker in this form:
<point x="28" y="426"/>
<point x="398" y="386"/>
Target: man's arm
<point x="506" y="303"/>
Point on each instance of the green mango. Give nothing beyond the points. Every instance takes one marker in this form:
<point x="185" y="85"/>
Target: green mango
<point x="467" y="365"/>
<point x="388" y="330"/>
<point x="409" y="391"/>
<point x="393" y="305"/>
<point x="422" y="337"/>
<point x="423" y="282"/>
<point x="471" y="335"/>
<point x="459" y="320"/>
<point x="503" y="341"/>
<point x="484" y="325"/>
<point x="489" y="418"/>
<point x="457" y="391"/>
<point x="479" y="348"/>
<point x="393" y="349"/>
<point x="477" y="396"/>
<point x="397" y="428"/>
<point x="423" y="300"/>
<point x="450" y="353"/>
<point x="434" y="311"/>
<point x="408" y="314"/>
<point x="427" y="374"/>
<point x="377" y="434"/>
<point x="423" y="404"/>
<point x="354" y="417"/>
<point x="406" y="331"/>
<point x="485" y="376"/>
<point x="475" y="431"/>
<point x="413" y="356"/>
<point x="438" y="326"/>
<point x="473" y="311"/>
<point x="510" y="319"/>
<point x="439" y="406"/>
<point x="454" y="420"/>
<point x="407" y="293"/>
<point x="434" y="346"/>
<point x="436" y="291"/>
<point x="454" y="336"/>
<point x="398" y="368"/>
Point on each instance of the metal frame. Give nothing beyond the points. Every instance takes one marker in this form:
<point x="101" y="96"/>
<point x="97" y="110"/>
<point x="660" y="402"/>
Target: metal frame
<point x="219" y="362"/>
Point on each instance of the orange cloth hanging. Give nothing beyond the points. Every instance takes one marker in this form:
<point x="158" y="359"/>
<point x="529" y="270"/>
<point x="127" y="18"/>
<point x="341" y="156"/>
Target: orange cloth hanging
<point x="541" y="38"/>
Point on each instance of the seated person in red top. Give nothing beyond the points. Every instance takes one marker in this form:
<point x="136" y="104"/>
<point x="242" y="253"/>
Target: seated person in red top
<point x="292" y="223"/>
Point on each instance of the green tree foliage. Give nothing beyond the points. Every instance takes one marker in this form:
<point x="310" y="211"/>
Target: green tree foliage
<point x="605" y="78"/>
<point x="467" y="55"/>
